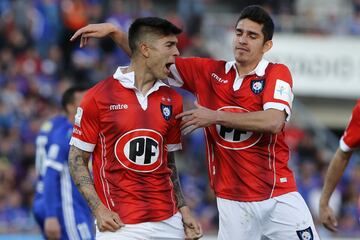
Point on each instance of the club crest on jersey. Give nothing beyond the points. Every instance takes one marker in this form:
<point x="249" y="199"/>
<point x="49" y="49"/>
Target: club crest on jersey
<point x="257" y="86"/>
<point x="166" y="111"/>
<point x="305" y="234"/>
<point x="140" y="150"/>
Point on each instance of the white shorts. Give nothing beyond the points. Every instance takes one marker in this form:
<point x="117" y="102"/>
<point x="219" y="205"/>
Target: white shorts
<point x="280" y="218"/>
<point x="169" y="229"/>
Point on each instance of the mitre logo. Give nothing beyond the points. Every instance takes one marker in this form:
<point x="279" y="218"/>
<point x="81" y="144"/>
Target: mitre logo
<point x="118" y="107"/>
<point x="234" y="138"/>
<point x="219" y="79"/>
<point x="140" y="150"/>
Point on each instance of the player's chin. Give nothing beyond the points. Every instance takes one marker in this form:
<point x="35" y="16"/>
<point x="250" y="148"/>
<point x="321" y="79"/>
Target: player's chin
<point x="240" y="58"/>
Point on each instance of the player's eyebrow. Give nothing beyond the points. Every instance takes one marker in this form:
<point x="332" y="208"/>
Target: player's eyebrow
<point x="171" y="42"/>
<point x="247" y="31"/>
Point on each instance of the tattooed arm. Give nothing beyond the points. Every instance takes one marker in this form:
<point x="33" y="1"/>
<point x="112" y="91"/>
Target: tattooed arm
<point x="191" y="226"/>
<point x="106" y="219"/>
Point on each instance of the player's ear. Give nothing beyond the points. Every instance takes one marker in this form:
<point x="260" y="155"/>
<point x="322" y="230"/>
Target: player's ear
<point x="267" y="46"/>
<point x="144" y="49"/>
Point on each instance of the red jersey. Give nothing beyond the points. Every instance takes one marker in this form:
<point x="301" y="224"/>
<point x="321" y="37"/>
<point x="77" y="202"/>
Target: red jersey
<point x="351" y="138"/>
<point x="243" y="166"/>
<point x="130" y="136"/>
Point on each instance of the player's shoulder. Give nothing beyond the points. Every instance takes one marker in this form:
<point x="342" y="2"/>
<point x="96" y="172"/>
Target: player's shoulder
<point x="201" y="60"/>
<point x="100" y="88"/>
<point x="358" y="103"/>
<point x="274" y="67"/>
<point x="356" y="110"/>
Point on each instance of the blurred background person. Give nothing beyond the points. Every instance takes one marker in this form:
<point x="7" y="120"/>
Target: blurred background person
<point x="59" y="208"/>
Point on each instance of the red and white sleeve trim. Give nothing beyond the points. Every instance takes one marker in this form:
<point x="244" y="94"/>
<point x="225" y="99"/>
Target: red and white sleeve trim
<point x="88" y="147"/>
<point x="278" y="106"/>
<point x="343" y="146"/>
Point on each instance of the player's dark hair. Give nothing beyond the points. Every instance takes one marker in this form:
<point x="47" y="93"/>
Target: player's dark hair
<point x="68" y="96"/>
<point x="154" y="25"/>
<point x="258" y="14"/>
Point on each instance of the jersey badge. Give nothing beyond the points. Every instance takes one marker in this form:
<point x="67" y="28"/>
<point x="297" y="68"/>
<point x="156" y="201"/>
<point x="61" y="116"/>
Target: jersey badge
<point x="166" y="111"/>
<point x="305" y="234"/>
<point x="257" y="86"/>
<point x="283" y="91"/>
<point x="78" y="116"/>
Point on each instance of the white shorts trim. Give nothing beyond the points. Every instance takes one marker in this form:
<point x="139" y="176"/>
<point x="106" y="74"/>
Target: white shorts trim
<point x="169" y="229"/>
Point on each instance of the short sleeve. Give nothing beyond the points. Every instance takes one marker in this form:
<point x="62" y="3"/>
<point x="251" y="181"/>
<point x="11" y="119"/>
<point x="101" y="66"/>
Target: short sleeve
<point x="278" y="93"/>
<point x="351" y="137"/>
<point x="173" y="138"/>
<point x="186" y="73"/>
<point x="86" y="124"/>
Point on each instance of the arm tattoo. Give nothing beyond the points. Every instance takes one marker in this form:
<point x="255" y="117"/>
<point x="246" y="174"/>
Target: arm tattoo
<point x="78" y="164"/>
<point x="175" y="180"/>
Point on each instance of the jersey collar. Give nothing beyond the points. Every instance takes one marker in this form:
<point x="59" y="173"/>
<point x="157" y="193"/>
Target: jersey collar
<point x="128" y="80"/>
<point x="259" y="70"/>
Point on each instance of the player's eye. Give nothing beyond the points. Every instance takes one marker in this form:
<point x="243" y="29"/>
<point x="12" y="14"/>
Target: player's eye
<point x="252" y="36"/>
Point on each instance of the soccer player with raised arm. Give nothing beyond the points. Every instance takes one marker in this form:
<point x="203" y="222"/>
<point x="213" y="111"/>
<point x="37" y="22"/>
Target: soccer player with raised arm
<point x="59" y="208"/>
<point x="243" y="106"/>
<point x="127" y="123"/>
<point x="349" y="142"/>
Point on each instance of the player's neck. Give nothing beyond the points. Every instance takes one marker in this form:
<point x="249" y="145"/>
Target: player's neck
<point x="244" y="68"/>
<point x="143" y="80"/>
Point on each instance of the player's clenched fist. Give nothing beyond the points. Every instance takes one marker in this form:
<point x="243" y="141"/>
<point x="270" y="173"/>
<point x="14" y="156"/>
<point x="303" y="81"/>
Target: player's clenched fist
<point x="107" y="220"/>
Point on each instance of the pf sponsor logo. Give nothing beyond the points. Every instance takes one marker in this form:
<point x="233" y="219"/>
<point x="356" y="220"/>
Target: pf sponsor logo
<point x="140" y="150"/>
<point x="233" y="138"/>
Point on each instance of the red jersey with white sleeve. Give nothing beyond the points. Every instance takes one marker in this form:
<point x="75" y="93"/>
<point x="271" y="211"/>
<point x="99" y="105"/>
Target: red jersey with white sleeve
<point x="243" y="165"/>
<point x="351" y="138"/>
<point x="130" y="135"/>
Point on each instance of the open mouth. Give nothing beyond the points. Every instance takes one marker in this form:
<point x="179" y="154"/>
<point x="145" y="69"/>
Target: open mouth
<point x="168" y="66"/>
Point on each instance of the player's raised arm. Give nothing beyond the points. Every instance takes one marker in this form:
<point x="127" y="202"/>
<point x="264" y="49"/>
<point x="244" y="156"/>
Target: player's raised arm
<point x="106" y="219"/>
<point x="191" y="227"/>
<point x="100" y="30"/>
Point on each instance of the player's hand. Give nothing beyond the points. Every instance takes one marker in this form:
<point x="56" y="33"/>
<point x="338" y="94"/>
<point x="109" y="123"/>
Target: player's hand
<point x="52" y="228"/>
<point x="192" y="228"/>
<point x="327" y="218"/>
<point x="107" y="220"/>
<point x="98" y="30"/>
<point x="196" y="118"/>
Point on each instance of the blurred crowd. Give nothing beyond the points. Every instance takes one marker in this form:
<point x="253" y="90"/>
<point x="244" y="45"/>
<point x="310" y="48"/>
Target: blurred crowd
<point x="37" y="62"/>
